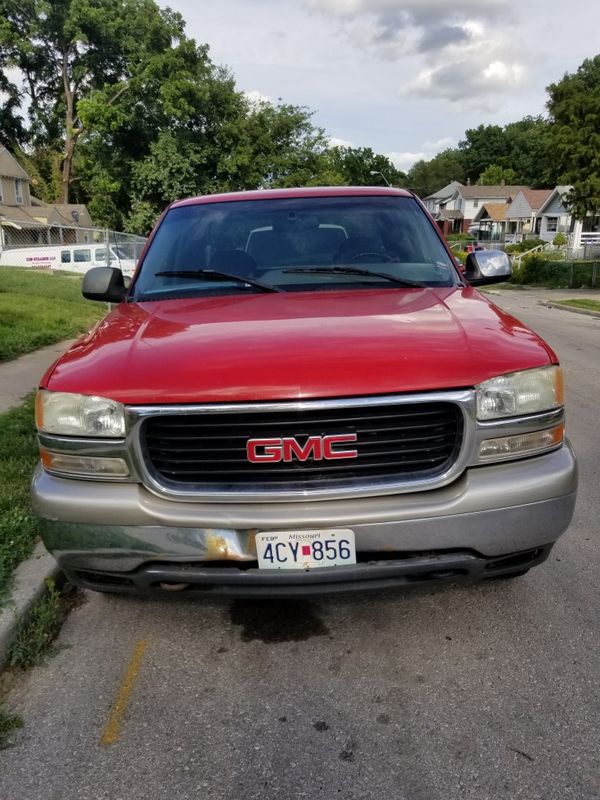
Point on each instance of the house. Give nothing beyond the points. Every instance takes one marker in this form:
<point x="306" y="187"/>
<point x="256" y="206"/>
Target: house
<point x="470" y="199"/>
<point x="25" y="220"/>
<point x="434" y="201"/>
<point x="441" y="206"/>
<point x="14" y="181"/>
<point x="490" y="220"/>
<point x="554" y="216"/>
<point x="522" y="215"/>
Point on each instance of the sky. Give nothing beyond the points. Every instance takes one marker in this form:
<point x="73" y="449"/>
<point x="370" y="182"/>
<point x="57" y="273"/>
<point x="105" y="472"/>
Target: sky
<point x="404" y="77"/>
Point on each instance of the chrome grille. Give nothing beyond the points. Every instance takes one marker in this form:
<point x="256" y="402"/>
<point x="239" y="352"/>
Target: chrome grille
<point x="396" y="442"/>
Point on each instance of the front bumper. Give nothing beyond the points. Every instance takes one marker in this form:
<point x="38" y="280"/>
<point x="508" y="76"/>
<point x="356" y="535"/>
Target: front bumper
<point x="489" y="513"/>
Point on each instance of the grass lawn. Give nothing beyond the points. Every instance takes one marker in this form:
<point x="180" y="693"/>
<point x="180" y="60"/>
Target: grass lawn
<point x="589" y="305"/>
<point x="40" y="308"/>
<point x="18" y="455"/>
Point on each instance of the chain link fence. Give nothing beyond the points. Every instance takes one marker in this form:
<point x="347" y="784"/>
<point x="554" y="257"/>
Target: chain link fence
<point x="72" y="248"/>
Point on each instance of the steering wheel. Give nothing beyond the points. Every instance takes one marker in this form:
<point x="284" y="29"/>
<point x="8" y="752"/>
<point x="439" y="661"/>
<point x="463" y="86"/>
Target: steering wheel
<point x="384" y="257"/>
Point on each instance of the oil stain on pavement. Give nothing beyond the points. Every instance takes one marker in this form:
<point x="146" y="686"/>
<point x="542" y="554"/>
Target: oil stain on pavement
<point x="279" y="621"/>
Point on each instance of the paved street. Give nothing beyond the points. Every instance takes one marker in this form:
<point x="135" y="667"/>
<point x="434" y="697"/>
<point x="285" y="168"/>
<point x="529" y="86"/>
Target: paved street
<point x="478" y="691"/>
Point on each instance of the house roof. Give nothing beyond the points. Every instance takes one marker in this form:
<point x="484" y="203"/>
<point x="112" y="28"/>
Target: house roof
<point x="63" y="214"/>
<point x="449" y="213"/>
<point x="447" y="191"/>
<point x="46" y="215"/>
<point x="536" y="197"/>
<point x="16" y="214"/>
<point x="10" y="167"/>
<point x="562" y="191"/>
<point x="496" y="212"/>
<point x="534" y="200"/>
<point x="490" y="192"/>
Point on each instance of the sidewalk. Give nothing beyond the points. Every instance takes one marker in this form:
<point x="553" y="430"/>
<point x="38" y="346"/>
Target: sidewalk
<point x="21" y="376"/>
<point x="552" y="295"/>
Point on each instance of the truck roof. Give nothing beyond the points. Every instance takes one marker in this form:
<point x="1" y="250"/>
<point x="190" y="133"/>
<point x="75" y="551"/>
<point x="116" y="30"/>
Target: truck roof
<point x="275" y="194"/>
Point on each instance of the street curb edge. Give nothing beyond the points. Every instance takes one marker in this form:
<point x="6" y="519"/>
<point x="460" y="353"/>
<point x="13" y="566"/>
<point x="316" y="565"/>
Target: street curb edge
<point x="29" y="584"/>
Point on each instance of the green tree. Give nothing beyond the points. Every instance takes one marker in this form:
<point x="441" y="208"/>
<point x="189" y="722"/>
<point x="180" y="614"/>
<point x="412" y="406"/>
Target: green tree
<point x="521" y="146"/>
<point x="360" y="166"/>
<point x="253" y="146"/>
<point x="529" y="152"/>
<point x="426" y="177"/>
<point x="43" y="165"/>
<point x="68" y="49"/>
<point x="481" y="147"/>
<point x="12" y="129"/>
<point x="494" y="175"/>
<point x="574" y="106"/>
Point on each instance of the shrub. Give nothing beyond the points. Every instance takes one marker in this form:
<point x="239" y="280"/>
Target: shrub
<point x="524" y="246"/>
<point x="538" y="269"/>
<point x="459" y="237"/>
<point x="559" y="240"/>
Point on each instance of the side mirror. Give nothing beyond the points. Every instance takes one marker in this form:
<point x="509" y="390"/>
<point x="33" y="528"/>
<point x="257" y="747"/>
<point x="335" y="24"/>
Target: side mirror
<point x="105" y="284"/>
<point x="487" y="266"/>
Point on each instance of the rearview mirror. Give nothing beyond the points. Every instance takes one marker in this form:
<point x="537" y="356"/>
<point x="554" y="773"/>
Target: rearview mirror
<point x="487" y="266"/>
<point x="104" y="283"/>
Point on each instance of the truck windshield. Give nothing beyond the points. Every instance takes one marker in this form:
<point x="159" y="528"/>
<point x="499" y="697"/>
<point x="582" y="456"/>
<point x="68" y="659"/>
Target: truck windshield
<point x="294" y="244"/>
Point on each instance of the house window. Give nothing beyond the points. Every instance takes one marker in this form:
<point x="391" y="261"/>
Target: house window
<point x="19" y="191"/>
<point x="1" y="191"/>
<point x="475" y="203"/>
<point x="552" y="224"/>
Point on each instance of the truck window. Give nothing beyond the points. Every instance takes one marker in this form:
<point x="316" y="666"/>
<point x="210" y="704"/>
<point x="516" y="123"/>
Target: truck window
<point x="82" y="255"/>
<point x="295" y="244"/>
<point x="65" y="256"/>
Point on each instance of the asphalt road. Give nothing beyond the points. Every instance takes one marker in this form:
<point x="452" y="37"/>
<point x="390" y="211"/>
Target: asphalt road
<point x="475" y="691"/>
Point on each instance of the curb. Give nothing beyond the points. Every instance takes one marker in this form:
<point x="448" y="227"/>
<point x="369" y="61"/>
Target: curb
<point x="586" y="312"/>
<point x="29" y="584"/>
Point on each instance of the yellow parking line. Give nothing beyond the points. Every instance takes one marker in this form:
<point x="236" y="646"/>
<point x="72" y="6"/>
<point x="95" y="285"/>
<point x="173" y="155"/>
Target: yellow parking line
<point x="113" y="726"/>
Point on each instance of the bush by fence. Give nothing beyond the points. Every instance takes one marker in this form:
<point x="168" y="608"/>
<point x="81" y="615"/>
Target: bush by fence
<point x="538" y="269"/>
<point x="525" y="245"/>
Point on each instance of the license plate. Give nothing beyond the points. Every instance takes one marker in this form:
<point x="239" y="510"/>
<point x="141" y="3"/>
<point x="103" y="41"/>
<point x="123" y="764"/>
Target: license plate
<point x="305" y="549"/>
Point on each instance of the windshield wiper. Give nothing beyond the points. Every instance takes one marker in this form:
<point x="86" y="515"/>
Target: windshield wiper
<point x="355" y="271"/>
<point x="216" y="275"/>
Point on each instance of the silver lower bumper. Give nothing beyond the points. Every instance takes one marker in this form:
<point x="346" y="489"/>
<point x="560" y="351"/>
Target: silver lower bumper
<point x="494" y="511"/>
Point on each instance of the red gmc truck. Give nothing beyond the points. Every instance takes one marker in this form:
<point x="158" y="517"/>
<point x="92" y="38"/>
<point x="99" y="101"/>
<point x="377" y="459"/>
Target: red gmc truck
<point x="301" y="392"/>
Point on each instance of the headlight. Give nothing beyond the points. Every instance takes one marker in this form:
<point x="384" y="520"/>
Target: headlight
<point x="522" y="444"/>
<point x="517" y="393"/>
<point x="78" y="466"/>
<point x="69" y="414"/>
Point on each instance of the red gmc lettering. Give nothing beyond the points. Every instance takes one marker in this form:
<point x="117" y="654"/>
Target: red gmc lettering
<point x="330" y="441"/>
<point x="293" y="448"/>
<point x="286" y="449"/>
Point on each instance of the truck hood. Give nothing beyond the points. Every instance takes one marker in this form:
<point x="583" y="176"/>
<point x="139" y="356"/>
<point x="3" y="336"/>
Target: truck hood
<point x="296" y="345"/>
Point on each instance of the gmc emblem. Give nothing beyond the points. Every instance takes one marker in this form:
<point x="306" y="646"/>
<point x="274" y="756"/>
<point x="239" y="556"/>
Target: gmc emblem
<point x="315" y="447"/>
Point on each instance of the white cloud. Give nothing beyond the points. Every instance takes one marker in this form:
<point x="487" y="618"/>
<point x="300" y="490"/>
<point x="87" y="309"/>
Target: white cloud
<point x="345" y="8"/>
<point x="335" y="141"/>
<point x="461" y="50"/>
<point x="405" y="160"/>
<point x="256" y="98"/>
<point x="473" y="82"/>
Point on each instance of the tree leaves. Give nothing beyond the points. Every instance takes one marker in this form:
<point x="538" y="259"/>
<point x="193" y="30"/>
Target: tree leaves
<point x="574" y="107"/>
